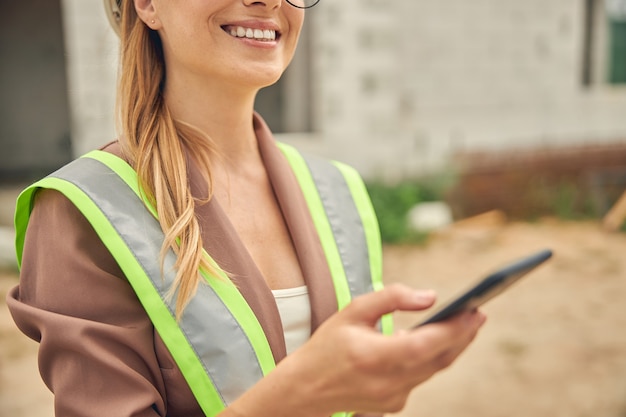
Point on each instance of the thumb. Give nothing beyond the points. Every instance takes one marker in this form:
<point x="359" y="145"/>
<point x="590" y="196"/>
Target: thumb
<point x="369" y="308"/>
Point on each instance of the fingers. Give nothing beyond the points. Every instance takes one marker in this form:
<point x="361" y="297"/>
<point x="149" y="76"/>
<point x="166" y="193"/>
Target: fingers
<point x="443" y="342"/>
<point x="370" y="307"/>
<point x="394" y="365"/>
<point x="350" y="366"/>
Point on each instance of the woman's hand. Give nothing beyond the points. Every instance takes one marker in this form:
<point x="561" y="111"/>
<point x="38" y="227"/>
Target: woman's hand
<point x="349" y="366"/>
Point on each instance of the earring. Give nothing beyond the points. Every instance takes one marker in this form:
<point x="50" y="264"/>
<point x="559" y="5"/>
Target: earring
<point x="152" y="22"/>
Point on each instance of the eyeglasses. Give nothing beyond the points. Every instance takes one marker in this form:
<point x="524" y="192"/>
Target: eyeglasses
<point x="303" y="4"/>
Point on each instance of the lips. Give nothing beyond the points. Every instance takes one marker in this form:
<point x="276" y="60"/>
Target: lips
<point x="264" y="35"/>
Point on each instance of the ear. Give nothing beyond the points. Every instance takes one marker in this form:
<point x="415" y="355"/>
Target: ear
<point x="147" y="13"/>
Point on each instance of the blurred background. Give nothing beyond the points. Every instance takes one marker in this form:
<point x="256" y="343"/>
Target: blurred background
<point x="483" y="128"/>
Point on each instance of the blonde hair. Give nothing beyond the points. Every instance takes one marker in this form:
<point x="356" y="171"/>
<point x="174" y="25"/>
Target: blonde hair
<point x="156" y="145"/>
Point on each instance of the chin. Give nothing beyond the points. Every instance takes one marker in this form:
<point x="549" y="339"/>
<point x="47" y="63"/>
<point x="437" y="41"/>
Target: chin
<point x="263" y="79"/>
<point x="273" y="81"/>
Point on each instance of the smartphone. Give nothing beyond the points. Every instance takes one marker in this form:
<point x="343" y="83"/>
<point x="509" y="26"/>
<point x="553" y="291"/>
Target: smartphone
<point x="489" y="287"/>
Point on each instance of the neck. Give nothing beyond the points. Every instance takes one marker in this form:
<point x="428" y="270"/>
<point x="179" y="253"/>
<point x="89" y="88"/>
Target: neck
<point x="222" y="112"/>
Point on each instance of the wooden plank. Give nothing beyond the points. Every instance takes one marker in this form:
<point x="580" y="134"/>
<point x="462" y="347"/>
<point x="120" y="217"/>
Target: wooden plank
<point x="615" y="218"/>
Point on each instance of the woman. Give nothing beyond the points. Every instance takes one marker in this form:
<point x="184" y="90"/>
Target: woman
<point x="186" y="315"/>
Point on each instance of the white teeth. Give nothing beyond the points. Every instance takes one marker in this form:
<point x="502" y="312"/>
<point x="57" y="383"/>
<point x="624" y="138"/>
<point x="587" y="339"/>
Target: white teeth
<point x="258" y="34"/>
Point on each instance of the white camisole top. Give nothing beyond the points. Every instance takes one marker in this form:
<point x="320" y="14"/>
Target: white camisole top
<point x="295" y="313"/>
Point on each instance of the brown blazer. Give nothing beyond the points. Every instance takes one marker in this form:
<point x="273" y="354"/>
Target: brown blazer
<point x="99" y="352"/>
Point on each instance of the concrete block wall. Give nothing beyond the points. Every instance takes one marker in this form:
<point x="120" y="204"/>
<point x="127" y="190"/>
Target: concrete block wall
<point x="403" y="85"/>
<point x="92" y="59"/>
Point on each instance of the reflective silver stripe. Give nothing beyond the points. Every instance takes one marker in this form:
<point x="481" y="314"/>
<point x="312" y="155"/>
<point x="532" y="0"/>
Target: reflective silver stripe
<point x="217" y="338"/>
<point x="345" y="222"/>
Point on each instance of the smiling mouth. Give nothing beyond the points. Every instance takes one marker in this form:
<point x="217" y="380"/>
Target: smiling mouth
<point x="264" y="35"/>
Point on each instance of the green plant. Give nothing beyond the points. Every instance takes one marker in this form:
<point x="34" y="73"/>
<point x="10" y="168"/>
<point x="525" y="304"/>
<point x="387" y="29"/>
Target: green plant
<point x="393" y="202"/>
<point x="570" y="202"/>
<point x="565" y="199"/>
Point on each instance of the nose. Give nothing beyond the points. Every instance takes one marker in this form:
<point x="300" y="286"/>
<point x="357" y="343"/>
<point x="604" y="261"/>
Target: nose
<point x="271" y="4"/>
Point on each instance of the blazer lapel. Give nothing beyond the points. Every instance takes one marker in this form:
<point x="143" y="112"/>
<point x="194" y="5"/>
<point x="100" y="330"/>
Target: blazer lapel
<point x="300" y="224"/>
<point x="222" y="242"/>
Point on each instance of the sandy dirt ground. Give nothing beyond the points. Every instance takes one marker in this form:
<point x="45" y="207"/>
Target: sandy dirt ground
<point x="554" y="344"/>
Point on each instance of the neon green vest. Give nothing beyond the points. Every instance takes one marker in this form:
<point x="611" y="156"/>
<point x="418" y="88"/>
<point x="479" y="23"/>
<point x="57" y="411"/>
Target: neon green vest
<point x="217" y="369"/>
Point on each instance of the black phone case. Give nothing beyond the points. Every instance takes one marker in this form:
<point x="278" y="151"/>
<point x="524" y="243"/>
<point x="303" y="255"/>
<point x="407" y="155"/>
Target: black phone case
<point x="489" y="287"/>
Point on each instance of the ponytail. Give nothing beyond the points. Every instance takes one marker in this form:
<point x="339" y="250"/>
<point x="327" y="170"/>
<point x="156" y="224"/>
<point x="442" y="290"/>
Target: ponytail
<point x="156" y="146"/>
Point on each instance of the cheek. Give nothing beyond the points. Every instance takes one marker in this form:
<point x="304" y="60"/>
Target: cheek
<point x="185" y="40"/>
<point x="295" y="29"/>
<point x="298" y="21"/>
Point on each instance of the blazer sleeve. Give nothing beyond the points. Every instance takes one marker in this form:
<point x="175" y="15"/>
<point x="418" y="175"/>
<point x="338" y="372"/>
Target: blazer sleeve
<point x="97" y="352"/>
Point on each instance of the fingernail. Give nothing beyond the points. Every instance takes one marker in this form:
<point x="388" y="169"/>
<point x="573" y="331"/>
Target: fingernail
<point x="424" y="296"/>
<point x="476" y="318"/>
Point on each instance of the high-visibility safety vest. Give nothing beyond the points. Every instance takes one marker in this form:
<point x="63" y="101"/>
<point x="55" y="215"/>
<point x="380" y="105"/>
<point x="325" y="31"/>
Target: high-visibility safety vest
<point x="218" y="369"/>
